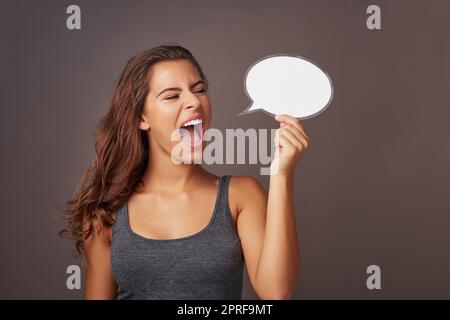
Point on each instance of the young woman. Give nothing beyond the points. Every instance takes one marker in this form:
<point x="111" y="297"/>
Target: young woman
<point x="150" y="228"/>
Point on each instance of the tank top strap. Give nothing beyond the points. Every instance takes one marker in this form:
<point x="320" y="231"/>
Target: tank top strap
<point x="223" y="192"/>
<point x="119" y="219"/>
<point x="224" y="216"/>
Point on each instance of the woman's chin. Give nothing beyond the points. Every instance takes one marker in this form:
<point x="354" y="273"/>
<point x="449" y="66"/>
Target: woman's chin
<point x="193" y="158"/>
<point x="190" y="154"/>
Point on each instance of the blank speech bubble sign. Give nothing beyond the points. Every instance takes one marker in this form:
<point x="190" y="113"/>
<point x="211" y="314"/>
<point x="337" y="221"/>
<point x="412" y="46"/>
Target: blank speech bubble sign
<point x="288" y="84"/>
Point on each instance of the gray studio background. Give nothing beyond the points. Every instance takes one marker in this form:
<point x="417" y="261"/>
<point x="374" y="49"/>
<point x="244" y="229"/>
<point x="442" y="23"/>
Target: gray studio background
<point x="374" y="187"/>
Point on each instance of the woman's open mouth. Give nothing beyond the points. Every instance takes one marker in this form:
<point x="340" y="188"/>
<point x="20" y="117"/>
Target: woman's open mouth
<point x="192" y="132"/>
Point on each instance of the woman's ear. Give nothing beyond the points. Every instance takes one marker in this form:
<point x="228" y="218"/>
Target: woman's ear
<point x="144" y="124"/>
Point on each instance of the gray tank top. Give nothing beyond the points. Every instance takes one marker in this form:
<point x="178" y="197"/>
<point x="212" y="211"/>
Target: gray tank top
<point x="205" y="265"/>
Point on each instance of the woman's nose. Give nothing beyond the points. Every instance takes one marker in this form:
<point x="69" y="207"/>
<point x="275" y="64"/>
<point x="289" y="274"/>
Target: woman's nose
<point x="192" y="101"/>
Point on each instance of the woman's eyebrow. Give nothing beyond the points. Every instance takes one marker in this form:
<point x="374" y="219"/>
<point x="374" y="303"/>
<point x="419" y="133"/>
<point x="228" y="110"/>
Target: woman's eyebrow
<point x="179" y="89"/>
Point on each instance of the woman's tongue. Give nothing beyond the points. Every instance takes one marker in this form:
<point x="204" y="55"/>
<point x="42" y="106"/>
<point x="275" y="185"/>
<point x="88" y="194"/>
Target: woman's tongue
<point x="192" y="135"/>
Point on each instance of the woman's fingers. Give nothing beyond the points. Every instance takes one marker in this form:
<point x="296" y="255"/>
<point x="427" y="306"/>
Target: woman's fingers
<point x="294" y="129"/>
<point x="284" y="118"/>
<point x="285" y="141"/>
<point x="298" y="134"/>
<point x="297" y="140"/>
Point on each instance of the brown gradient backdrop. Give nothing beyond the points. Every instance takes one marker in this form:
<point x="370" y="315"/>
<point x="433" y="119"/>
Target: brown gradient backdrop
<point x="373" y="188"/>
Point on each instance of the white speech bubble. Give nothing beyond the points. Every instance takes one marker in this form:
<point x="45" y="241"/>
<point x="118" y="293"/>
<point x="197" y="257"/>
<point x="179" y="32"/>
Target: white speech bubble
<point x="287" y="84"/>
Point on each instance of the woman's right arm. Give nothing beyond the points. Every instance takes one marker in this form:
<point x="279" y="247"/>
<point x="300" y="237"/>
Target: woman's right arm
<point x="99" y="279"/>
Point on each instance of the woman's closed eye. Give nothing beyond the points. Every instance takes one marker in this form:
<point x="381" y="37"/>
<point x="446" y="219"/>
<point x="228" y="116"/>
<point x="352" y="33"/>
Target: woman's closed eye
<point x="176" y="96"/>
<point x="171" y="97"/>
<point x="201" y="91"/>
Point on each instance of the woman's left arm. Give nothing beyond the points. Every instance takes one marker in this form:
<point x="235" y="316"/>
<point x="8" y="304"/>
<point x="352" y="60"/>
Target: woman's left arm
<point x="274" y="270"/>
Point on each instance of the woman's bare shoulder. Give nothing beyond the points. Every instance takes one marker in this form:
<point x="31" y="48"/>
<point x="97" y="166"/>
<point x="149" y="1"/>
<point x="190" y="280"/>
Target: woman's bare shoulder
<point x="245" y="184"/>
<point x="243" y="189"/>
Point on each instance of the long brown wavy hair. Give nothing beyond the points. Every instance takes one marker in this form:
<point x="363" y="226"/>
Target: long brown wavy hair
<point x="121" y="148"/>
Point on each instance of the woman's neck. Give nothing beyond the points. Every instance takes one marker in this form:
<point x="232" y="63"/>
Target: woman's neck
<point x="163" y="175"/>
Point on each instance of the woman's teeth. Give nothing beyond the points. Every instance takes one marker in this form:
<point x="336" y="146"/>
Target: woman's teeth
<point x="192" y="122"/>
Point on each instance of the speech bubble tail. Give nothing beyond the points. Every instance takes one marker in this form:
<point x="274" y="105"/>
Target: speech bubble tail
<point x="241" y="113"/>
<point x="250" y="109"/>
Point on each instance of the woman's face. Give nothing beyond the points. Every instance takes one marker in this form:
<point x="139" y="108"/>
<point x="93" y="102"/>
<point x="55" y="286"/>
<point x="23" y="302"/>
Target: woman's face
<point x="177" y="110"/>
